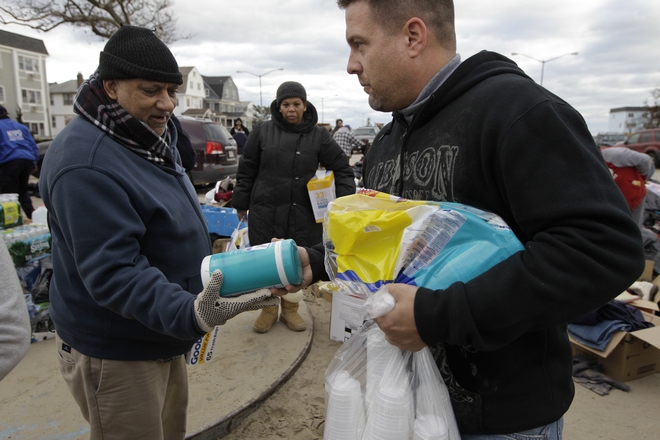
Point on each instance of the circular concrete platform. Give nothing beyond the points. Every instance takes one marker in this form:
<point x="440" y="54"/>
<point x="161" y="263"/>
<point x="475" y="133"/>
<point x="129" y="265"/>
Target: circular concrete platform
<point x="248" y="367"/>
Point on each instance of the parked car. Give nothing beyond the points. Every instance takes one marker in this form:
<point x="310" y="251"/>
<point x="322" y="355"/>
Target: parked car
<point x="609" y="139"/>
<point x="216" y="150"/>
<point x="645" y="141"/>
<point x="367" y="135"/>
<point x="43" y="147"/>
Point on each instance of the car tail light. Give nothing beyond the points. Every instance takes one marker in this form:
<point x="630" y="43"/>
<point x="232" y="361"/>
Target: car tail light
<point x="214" y="148"/>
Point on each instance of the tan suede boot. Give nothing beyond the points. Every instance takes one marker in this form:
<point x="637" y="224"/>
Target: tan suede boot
<point x="290" y="315"/>
<point x="266" y="319"/>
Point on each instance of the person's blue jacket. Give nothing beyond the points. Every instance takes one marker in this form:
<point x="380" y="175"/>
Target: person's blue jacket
<point x="16" y="142"/>
<point x="128" y="241"/>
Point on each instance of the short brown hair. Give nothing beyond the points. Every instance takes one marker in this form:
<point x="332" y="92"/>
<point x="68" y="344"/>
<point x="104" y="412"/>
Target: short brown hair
<point x="438" y="15"/>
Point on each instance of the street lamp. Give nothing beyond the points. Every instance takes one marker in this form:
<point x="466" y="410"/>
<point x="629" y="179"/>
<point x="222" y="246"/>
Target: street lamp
<point x="543" y="61"/>
<point x="261" y="100"/>
<point x="322" y="99"/>
<point x="362" y="113"/>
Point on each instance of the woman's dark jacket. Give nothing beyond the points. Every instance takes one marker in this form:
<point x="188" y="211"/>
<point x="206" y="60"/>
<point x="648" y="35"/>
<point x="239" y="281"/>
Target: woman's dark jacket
<point x="278" y="160"/>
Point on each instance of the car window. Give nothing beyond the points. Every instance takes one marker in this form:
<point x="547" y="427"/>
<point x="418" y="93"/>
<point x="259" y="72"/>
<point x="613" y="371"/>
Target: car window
<point x="633" y="139"/>
<point x="216" y="132"/>
<point x="364" y="131"/>
<point x="645" y="137"/>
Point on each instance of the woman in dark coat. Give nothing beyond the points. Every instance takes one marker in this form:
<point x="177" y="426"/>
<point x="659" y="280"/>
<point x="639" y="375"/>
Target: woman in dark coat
<point x="279" y="158"/>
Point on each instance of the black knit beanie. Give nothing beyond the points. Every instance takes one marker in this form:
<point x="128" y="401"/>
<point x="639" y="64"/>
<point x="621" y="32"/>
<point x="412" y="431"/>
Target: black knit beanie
<point x="290" y="89"/>
<point x="136" y="52"/>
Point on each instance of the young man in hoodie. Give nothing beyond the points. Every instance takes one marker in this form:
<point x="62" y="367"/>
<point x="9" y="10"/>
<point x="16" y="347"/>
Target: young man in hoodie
<point x="482" y="133"/>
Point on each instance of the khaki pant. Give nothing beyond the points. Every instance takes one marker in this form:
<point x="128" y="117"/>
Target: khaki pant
<point x="121" y="400"/>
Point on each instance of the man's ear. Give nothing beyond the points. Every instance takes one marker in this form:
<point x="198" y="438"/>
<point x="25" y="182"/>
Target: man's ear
<point x="110" y="87"/>
<point x="416" y="33"/>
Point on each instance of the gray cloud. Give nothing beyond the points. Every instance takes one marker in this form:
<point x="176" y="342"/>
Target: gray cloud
<point x="618" y="63"/>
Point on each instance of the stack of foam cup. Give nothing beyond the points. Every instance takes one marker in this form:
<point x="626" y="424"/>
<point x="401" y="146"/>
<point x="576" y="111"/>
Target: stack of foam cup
<point x="344" y="417"/>
<point x="391" y="414"/>
<point x="430" y="427"/>
<point x="380" y="354"/>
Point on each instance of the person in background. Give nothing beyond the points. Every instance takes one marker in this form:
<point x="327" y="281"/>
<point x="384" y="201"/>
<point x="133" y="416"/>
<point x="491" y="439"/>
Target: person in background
<point x="280" y="157"/>
<point x="338" y="124"/>
<point x="347" y="140"/>
<point x="238" y="125"/>
<point x="630" y="170"/>
<point x="481" y="125"/>
<point x="240" y="134"/>
<point x="128" y="239"/>
<point x="15" y="330"/>
<point x="18" y="157"/>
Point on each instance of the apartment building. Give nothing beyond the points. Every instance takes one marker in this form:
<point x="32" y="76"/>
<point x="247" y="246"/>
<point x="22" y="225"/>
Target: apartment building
<point x="23" y="82"/>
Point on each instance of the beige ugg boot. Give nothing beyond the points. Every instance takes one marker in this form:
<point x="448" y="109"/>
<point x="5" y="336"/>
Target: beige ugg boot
<point x="266" y="319"/>
<point x="289" y="314"/>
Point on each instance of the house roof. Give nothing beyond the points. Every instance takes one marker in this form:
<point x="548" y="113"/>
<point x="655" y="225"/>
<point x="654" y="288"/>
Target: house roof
<point x="212" y="95"/>
<point x="70" y="86"/>
<point x="22" y="42"/>
<point x="628" y="109"/>
<point x="185" y="70"/>
<point x="216" y="83"/>
<point x="198" y="111"/>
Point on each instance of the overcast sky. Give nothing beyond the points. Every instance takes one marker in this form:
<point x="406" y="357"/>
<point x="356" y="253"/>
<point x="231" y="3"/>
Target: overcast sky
<point x="618" y="43"/>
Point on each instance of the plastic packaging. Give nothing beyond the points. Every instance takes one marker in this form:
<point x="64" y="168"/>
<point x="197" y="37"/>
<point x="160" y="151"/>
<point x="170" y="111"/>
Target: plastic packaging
<point x="275" y="264"/>
<point x="27" y="242"/>
<point x="204" y="349"/>
<point x="399" y="394"/>
<point x="10" y="211"/>
<point x="372" y="239"/>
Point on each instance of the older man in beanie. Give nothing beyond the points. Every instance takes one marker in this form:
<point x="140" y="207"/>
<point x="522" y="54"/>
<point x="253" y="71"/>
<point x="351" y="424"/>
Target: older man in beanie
<point x="128" y="242"/>
<point x="18" y="157"/>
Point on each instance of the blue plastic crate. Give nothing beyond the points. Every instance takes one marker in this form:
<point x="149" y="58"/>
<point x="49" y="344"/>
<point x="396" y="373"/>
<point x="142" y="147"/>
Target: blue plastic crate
<point x="221" y="221"/>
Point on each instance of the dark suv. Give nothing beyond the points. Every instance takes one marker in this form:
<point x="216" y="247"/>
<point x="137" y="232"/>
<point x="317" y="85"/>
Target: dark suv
<point x="645" y="141"/>
<point x="215" y="147"/>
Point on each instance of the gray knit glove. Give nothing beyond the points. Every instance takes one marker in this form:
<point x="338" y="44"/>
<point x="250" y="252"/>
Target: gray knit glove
<point x="211" y="309"/>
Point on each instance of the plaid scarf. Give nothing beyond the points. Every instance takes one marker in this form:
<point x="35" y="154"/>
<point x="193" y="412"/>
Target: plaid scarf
<point x="93" y="104"/>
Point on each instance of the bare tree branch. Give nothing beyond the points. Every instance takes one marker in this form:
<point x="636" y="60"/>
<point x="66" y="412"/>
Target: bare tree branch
<point x="102" y="17"/>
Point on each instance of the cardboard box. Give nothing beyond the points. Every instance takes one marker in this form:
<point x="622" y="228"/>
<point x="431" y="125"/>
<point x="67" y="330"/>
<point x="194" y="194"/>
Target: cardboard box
<point x="345" y="317"/>
<point x="323" y="289"/>
<point x="629" y="355"/>
<point x="220" y="245"/>
<point x="647" y="275"/>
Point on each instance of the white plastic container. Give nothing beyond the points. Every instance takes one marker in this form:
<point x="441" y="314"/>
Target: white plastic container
<point x="40" y="215"/>
<point x="275" y="264"/>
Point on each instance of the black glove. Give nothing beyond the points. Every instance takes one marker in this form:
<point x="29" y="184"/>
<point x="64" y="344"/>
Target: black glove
<point x="211" y="309"/>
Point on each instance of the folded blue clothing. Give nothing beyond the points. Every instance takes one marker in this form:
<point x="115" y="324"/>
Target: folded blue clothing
<point x="614" y="311"/>
<point x="599" y="335"/>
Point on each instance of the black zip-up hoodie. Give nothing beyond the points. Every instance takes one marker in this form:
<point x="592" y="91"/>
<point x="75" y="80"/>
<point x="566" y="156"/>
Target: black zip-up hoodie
<point x="491" y="138"/>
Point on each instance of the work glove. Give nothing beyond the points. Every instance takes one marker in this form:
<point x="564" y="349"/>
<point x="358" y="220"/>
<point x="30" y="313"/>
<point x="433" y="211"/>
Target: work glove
<point x="211" y="309"/>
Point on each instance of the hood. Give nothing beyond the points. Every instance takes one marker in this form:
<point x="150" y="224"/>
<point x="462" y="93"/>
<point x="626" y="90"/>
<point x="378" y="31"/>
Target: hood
<point x="310" y="118"/>
<point x="469" y="73"/>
